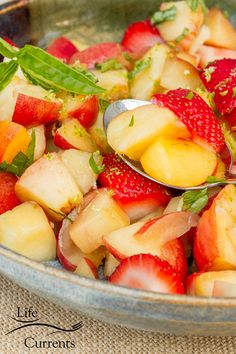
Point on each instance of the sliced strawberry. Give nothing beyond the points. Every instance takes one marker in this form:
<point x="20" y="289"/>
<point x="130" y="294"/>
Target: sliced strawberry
<point x="220" y="77"/>
<point x="62" y="48"/>
<point x="137" y="195"/>
<point x="97" y="54"/>
<point x="8" y="198"/>
<point x="195" y="113"/>
<point x="140" y="36"/>
<point x="147" y="272"/>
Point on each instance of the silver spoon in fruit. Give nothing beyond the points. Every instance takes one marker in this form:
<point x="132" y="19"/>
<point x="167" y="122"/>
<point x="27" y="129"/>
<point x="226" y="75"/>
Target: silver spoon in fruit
<point x="118" y="107"/>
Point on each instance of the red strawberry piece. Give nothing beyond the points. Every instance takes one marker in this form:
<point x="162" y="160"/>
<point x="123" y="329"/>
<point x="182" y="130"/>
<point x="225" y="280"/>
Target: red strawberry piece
<point x="8" y="198"/>
<point x="98" y="53"/>
<point x="147" y="272"/>
<point x="195" y="113"/>
<point x="137" y="195"/>
<point x="220" y="77"/>
<point x="62" y="48"/>
<point x="140" y="36"/>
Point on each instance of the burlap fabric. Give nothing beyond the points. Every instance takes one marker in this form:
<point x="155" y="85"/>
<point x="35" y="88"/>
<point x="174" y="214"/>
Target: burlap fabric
<point x="94" y="337"/>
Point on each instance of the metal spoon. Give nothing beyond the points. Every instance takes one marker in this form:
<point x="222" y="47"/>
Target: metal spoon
<point x="121" y="106"/>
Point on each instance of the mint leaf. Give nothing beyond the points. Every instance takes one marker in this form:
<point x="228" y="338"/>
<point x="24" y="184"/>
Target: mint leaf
<point x="96" y="167"/>
<point x="193" y="4"/>
<point x="103" y="104"/>
<point x="182" y="35"/>
<point x="7" y="71"/>
<point x="110" y="64"/>
<point x="140" y="65"/>
<point x="7" y="50"/>
<point x="163" y="16"/>
<point x="195" y="201"/>
<point x="131" y="123"/>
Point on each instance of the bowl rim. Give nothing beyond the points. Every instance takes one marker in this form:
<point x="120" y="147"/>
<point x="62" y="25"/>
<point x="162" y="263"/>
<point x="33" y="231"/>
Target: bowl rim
<point x="111" y="289"/>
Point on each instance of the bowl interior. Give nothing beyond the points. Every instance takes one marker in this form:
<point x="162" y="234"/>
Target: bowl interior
<point x="93" y="21"/>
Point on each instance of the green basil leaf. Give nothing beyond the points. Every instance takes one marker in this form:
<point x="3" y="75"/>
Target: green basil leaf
<point x="110" y="64"/>
<point x="47" y="71"/>
<point x="195" y="201"/>
<point x="163" y="16"/>
<point x="140" y="65"/>
<point x="7" y="50"/>
<point x="7" y="71"/>
<point x="81" y="69"/>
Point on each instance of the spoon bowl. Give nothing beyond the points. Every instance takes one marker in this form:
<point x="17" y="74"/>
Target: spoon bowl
<point x="118" y="107"/>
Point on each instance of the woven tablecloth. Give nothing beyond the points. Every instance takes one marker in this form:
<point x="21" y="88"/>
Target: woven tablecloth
<point x="94" y="337"/>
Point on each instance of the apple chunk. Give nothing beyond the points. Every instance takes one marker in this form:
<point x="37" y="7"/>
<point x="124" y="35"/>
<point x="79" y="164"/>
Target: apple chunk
<point x="72" y="134"/>
<point x="223" y="33"/>
<point x="131" y="132"/>
<point x="145" y="83"/>
<point x="26" y="230"/>
<point x="186" y="20"/>
<point x="40" y="140"/>
<point x="48" y="182"/>
<point x="78" y="164"/>
<point x="171" y="160"/>
<point x="102" y="216"/>
<point x="215" y="244"/>
<point x="153" y="237"/>
<point x="35" y="106"/>
<point x="221" y="283"/>
<point x="179" y="73"/>
<point x="68" y="253"/>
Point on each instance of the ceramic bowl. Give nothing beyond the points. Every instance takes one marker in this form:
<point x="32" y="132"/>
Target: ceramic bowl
<point x="38" y="22"/>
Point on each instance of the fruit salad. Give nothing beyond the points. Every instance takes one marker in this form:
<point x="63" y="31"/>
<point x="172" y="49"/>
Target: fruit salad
<point x="66" y="194"/>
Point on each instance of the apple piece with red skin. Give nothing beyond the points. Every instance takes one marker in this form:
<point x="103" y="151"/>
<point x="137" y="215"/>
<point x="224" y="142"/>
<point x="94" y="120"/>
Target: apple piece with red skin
<point x="219" y="284"/>
<point x="86" y="268"/>
<point x="111" y="263"/>
<point x="84" y="108"/>
<point x="214" y="244"/>
<point x="35" y="105"/>
<point x="154" y="237"/>
<point x="97" y="53"/>
<point x="40" y="140"/>
<point x="62" y="48"/>
<point x="72" y="135"/>
<point x="68" y="253"/>
<point x="48" y="182"/>
<point x="208" y="54"/>
<point x="101" y="216"/>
